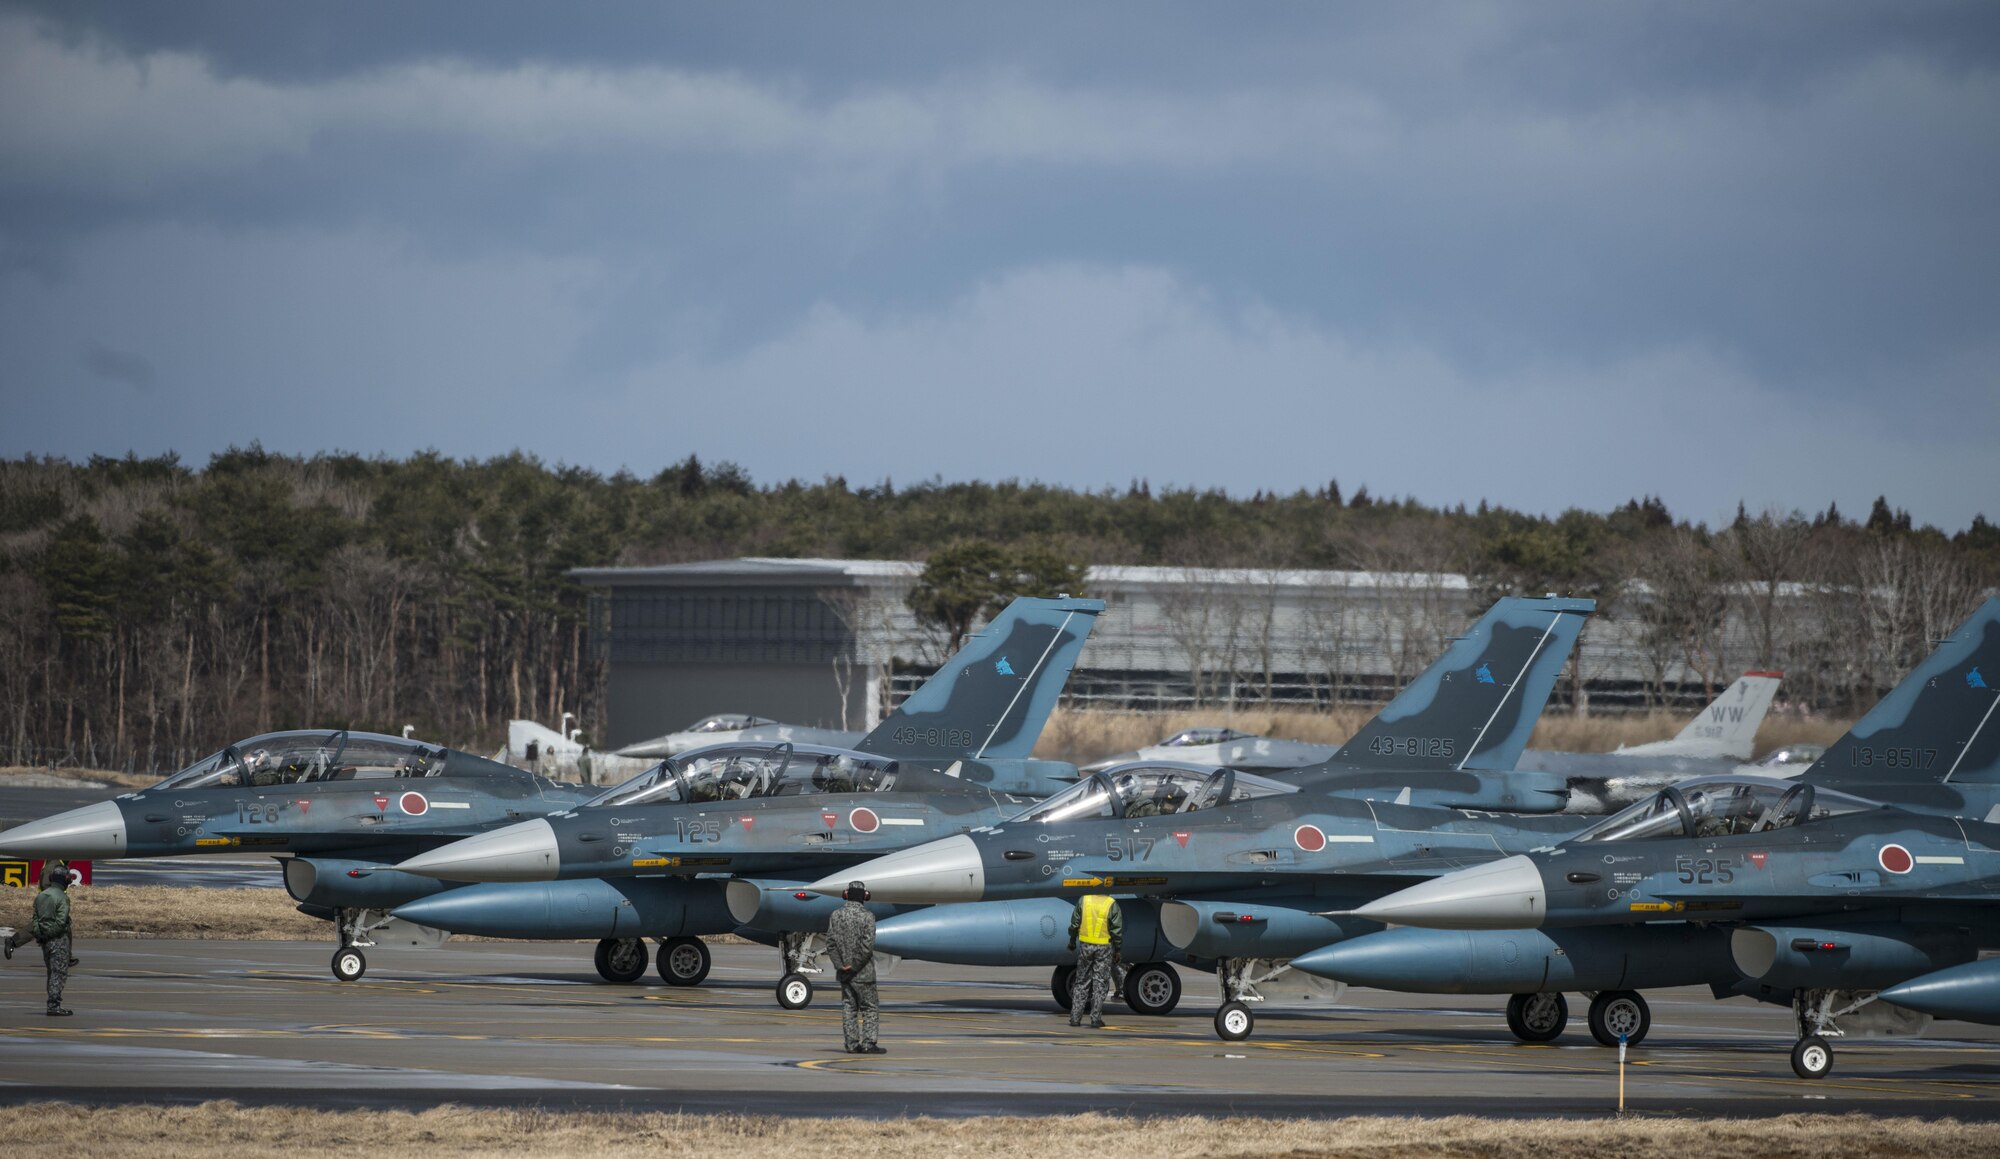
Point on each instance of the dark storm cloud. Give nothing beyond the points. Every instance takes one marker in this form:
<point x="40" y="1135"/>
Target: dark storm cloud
<point x="1693" y="247"/>
<point x="118" y="366"/>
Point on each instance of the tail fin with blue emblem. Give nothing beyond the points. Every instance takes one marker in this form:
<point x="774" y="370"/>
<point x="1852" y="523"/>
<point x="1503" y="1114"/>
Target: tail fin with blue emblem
<point x="1933" y="743"/>
<point x="991" y="699"/>
<point x="1474" y="707"/>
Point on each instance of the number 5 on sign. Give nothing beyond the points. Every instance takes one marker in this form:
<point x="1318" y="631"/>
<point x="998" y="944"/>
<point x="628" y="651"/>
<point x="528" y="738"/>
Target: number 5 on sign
<point x="14" y="874"/>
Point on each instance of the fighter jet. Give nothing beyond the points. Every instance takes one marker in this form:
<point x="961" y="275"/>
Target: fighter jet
<point x="1717" y="740"/>
<point x="1806" y="892"/>
<point x="1240" y="870"/>
<point x="725" y="835"/>
<point x="337" y="807"/>
<point x="725" y="727"/>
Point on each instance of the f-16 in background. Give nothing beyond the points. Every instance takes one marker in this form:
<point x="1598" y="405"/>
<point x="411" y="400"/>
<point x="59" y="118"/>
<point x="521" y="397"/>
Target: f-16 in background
<point x="1720" y="738"/>
<point x="1861" y="894"/>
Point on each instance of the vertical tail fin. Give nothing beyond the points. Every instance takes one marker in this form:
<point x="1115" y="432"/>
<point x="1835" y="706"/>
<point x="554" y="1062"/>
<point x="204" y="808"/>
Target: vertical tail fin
<point x="1474" y="707"/>
<point x="992" y="698"/>
<point x="1938" y="727"/>
<point x="1727" y="728"/>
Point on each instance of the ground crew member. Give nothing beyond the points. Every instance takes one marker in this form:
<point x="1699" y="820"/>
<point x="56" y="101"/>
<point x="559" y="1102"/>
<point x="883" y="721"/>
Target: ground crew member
<point x="51" y="929"/>
<point x="1099" y="929"/>
<point x="850" y="942"/>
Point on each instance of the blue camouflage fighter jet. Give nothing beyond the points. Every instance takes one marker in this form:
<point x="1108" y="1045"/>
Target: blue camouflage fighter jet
<point x="725" y="836"/>
<point x="1860" y="894"/>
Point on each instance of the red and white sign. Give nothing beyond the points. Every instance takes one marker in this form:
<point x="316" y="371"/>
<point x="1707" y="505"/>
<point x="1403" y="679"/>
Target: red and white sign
<point x="1309" y="838"/>
<point x="747" y="822"/>
<point x="381" y="804"/>
<point x="414" y="803"/>
<point x="79" y="873"/>
<point x="864" y="820"/>
<point x="1182" y="837"/>
<point x="1896" y="859"/>
<point x="830" y="819"/>
<point x="305" y="805"/>
<point x="1757" y="859"/>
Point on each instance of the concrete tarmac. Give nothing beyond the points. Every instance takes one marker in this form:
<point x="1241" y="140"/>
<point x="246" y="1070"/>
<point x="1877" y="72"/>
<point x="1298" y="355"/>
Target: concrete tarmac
<point x="508" y="1024"/>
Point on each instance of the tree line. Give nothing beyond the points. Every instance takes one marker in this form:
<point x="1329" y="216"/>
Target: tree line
<point x="151" y="610"/>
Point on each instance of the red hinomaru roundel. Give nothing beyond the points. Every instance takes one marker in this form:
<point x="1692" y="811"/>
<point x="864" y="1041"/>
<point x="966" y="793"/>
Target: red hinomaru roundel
<point x="864" y="820"/>
<point x="1309" y="838"/>
<point x="414" y="804"/>
<point x="1895" y="859"/>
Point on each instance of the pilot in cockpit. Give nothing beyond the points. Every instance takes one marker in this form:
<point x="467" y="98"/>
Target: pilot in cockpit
<point x="261" y="768"/>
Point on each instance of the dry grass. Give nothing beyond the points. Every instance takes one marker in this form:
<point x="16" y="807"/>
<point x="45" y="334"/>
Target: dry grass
<point x="172" y="911"/>
<point x="39" y="773"/>
<point x="223" y="1130"/>
<point x="1087" y="734"/>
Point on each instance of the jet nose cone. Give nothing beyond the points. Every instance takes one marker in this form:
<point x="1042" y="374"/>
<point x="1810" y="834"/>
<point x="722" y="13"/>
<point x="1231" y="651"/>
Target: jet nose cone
<point x="1504" y="895"/>
<point x="93" y="831"/>
<point x="524" y="852"/>
<point x="942" y="871"/>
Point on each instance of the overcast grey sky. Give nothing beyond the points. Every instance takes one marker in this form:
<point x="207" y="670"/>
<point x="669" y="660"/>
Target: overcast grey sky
<point x="1548" y="255"/>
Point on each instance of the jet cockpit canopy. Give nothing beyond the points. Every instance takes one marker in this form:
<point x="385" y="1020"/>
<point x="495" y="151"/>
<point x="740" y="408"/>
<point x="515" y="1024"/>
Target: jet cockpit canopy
<point x="1152" y="789"/>
<point x="1202" y="735"/>
<point x="285" y="758"/>
<point x="1722" y="807"/>
<point x="735" y="772"/>
<point x="727" y="722"/>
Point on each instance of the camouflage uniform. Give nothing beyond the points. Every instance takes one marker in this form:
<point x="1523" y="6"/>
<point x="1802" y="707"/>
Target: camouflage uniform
<point x="1096" y="963"/>
<point x="51" y="929"/>
<point x="850" y="942"/>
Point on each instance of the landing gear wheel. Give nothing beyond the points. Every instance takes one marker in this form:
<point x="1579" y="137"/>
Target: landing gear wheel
<point x="621" y="959"/>
<point x="1152" y="988"/>
<point x="349" y="964"/>
<point x="1059" y="985"/>
<point x="684" y="961"/>
<point x="1616" y="1012"/>
<point x="1234" y="1022"/>
<point x="795" y="991"/>
<point x="1537" y="1017"/>
<point x="1812" y="1058"/>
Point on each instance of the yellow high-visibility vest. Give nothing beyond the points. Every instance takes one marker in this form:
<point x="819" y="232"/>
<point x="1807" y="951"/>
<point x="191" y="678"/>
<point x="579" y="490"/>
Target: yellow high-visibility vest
<point x="1095" y="928"/>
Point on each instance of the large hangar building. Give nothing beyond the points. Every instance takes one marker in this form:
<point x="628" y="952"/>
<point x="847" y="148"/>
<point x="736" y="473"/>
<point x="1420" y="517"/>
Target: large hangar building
<point x="831" y="642"/>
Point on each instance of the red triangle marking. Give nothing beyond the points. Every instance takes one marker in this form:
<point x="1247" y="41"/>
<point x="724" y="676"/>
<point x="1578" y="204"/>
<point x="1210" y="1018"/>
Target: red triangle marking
<point x="831" y="819"/>
<point x="747" y="822"/>
<point x="305" y="806"/>
<point x="1757" y="859"/>
<point x="1182" y="838"/>
<point x="381" y="804"/>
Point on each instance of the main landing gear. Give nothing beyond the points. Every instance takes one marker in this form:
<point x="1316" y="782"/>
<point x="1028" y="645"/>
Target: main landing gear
<point x="1152" y="988"/>
<point x="684" y="961"/>
<point x="1537" y="1017"/>
<point x="621" y="959"/>
<point x="1616" y="1014"/>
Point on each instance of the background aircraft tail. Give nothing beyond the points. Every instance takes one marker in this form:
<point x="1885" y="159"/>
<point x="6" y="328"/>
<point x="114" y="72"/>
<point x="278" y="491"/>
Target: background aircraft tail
<point x="991" y="699"/>
<point x="1727" y="728"/>
<point x="1474" y="707"/>
<point x="1937" y="730"/>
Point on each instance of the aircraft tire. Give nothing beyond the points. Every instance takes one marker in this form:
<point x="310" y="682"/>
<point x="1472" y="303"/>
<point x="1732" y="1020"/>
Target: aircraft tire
<point x="1152" y="988"/>
<point x="349" y="963"/>
<point x="1616" y="1012"/>
<point x="1059" y="985"/>
<point x="684" y="961"/>
<point x="1812" y="1058"/>
<point x="1234" y="1022"/>
<point x="795" y="991"/>
<point x="1534" y="1018"/>
<point x="621" y="959"/>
